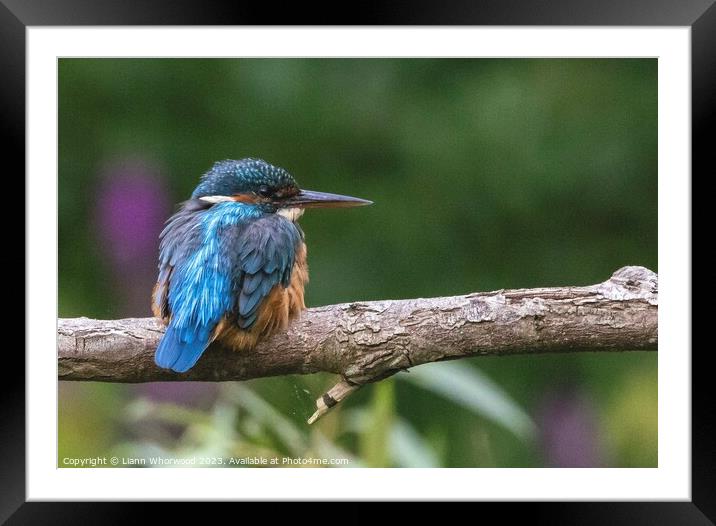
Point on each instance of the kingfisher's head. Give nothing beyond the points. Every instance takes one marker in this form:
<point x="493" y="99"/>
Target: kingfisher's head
<point x="258" y="183"/>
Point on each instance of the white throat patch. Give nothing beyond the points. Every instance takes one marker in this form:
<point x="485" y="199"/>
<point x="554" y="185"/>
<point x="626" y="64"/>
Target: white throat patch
<point x="292" y="214"/>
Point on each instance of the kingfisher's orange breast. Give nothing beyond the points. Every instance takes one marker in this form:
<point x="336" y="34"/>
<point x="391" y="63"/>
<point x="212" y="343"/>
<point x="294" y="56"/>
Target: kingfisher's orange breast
<point x="280" y="306"/>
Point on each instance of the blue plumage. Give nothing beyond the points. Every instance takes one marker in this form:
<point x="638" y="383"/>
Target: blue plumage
<point x="231" y="177"/>
<point x="224" y="252"/>
<point x="180" y="349"/>
<point x="211" y="254"/>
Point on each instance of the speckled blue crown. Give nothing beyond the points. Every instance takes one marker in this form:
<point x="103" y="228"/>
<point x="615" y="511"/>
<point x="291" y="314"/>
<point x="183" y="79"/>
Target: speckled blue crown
<point x="231" y="177"/>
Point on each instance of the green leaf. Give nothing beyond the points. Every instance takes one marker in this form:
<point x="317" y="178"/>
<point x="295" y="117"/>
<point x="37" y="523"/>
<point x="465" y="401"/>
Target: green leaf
<point x="293" y="438"/>
<point x="408" y="449"/>
<point x="474" y="391"/>
<point x="374" y="440"/>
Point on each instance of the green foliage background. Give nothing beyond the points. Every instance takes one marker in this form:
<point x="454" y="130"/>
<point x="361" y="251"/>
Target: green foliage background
<point x="485" y="173"/>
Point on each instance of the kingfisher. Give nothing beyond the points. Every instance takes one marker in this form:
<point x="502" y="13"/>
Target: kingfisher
<point x="232" y="260"/>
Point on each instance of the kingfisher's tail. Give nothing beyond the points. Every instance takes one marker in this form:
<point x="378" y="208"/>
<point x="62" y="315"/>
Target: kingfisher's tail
<point x="181" y="348"/>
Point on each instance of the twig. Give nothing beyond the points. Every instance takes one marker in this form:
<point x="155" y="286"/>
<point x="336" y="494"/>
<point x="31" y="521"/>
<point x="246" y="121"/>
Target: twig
<point x="334" y="395"/>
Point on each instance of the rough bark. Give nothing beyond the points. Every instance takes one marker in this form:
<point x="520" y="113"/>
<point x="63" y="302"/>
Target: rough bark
<point x="367" y="341"/>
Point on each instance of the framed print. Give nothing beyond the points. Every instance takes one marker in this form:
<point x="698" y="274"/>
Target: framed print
<point x="509" y="188"/>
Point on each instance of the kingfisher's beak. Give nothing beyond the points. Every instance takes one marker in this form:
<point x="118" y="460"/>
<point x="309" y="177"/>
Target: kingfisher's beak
<point x="311" y="199"/>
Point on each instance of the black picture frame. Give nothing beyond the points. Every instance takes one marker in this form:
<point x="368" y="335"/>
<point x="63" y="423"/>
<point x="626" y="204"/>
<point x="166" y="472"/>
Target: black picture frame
<point x="699" y="15"/>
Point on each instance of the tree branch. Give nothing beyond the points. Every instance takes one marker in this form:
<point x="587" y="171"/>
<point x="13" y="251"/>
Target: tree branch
<point x="368" y="341"/>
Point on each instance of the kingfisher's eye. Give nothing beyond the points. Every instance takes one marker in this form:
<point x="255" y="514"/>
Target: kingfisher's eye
<point x="264" y="191"/>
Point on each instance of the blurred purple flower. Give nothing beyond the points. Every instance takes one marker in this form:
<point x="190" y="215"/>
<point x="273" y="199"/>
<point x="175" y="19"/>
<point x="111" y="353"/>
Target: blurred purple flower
<point x="569" y="430"/>
<point x="132" y="203"/>
<point x="197" y="394"/>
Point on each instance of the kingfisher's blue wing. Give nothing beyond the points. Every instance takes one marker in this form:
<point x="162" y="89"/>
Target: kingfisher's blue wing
<point x="266" y="251"/>
<point x="185" y="294"/>
<point x="213" y="266"/>
<point x="179" y="238"/>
